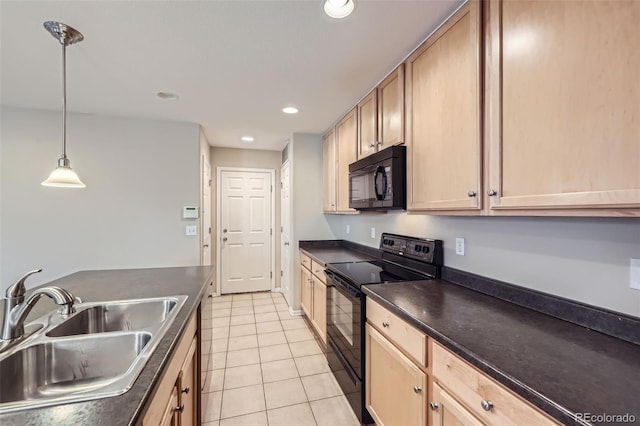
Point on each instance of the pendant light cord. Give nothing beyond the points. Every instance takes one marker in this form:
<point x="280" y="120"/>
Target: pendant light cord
<point x="64" y="99"/>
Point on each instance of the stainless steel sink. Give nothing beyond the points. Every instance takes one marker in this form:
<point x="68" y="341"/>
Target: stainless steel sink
<point x="97" y="352"/>
<point x="116" y="316"/>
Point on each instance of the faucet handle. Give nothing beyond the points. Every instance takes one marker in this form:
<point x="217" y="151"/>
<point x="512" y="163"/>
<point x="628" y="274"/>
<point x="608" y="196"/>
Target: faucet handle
<point x="18" y="289"/>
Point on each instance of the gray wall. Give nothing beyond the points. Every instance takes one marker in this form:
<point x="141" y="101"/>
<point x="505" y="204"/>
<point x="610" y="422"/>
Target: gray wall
<point x="139" y="175"/>
<point x="584" y="259"/>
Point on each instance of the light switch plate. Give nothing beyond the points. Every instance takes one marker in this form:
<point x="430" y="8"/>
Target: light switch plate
<point x="634" y="274"/>
<point x="191" y="230"/>
<point x="460" y="246"/>
<point x="348" y="229"/>
<point x="373" y="232"/>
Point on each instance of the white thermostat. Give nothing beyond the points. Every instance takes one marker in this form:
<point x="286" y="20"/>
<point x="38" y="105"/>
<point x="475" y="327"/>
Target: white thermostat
<point x="189" y="212"/>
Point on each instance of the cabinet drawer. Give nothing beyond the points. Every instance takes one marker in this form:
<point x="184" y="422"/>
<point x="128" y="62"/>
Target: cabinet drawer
<point x="318" y="271"/>
<point x="475" y="389"/>
<point x="305" y="260"/>
<point x="412" y="341"/>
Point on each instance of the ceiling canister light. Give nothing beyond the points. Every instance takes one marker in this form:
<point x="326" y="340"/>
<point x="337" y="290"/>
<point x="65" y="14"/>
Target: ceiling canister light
<point x="63" y="176"/>
<point x="290" y="110"/>
<point x="338" y="9"/>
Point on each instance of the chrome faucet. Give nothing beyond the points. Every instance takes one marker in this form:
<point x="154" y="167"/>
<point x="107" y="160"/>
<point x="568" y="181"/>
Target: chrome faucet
<point x="16" y="308"/>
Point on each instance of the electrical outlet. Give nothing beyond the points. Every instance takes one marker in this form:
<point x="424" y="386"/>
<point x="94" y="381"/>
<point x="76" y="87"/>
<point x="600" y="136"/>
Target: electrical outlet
<point x="348" y="229"/>
<point x="373" y="232"/>
<point x="460" y="246"/>
<point x="634" y="274"/>
<point x="191" y="230"/>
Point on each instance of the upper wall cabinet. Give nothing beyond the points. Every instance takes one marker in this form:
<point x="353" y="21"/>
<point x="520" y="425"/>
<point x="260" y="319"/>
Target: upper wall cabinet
<point x="563" y="107"/>
<point x="381" y="115"/>
<point x="329" y="172"/>
<point x="444" y="140"/>
<point x="346" y="149"/>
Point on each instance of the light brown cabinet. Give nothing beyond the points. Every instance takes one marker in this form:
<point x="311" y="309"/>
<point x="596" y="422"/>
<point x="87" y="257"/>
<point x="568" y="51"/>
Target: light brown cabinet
<point x="313" y="299"/>
<point x="563" y="106"/>
<point x="329" y="180"/>
<point x="463" y="393"/>
<point x="381" y="115"/>
<point x="175" y="400"/>
<point x="346" y="149"/>
<point x="444" y="131"/>
<point x="396" y="365"/>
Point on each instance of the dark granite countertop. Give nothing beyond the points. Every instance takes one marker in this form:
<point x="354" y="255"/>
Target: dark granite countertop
<point x="333" y="251"/>
<point x="560" y="367"/>
<point x="116" y="285"/>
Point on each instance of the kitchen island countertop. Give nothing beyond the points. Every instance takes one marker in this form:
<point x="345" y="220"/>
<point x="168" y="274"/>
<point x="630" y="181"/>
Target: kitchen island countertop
<point x="121" y="284"/>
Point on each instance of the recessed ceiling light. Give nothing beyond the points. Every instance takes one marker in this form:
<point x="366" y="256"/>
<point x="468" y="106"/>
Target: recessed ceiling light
<point x="247" y="139"/>
<point x="290" y="110"/>
<point x="338" y="9"/>
<point x="167" y="95"/>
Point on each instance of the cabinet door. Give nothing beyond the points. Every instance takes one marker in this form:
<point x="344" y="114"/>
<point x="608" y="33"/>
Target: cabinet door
<point x="446" y="411"/>
<point x="396" y="390"/>
<point x="329" y="172"/>
<point x="368" y="125"/>
<point x="320" y="308"/>
<point x="444" y="115"/>
<point x="391" y="109"/>
<point x="347" y="143"/>
<point x="564" y="104"/>
<point x="171" y="416"/>
<point x="305" y="291"/>
<point x="188" y="387"/>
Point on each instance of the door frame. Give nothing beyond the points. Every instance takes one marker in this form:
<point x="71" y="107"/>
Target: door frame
<point x="205" y="212"/>
<point x="272" y="173"/>
<point x="288" y="295"/>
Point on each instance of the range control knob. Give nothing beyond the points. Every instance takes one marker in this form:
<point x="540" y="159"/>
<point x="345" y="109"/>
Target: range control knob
<point x="426" y="249"/>
<point x="418" y="248"/>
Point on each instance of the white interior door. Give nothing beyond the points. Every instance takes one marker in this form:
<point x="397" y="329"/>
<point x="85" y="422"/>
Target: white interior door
<point x="206" y="212"/>
<point x="245" y="231"/>
<point x="285" y="240"/>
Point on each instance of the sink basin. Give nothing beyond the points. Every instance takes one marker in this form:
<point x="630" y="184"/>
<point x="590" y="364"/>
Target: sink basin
<point x="97" y="352"/>
<point x="59" y="367"/>
<point x="115" y="316"/>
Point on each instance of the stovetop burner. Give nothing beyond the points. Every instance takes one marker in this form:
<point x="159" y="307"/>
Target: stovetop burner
<point x="376" y="271"/>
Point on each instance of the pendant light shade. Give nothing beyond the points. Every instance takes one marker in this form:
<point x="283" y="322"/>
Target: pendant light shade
<point x="63" y="176"/>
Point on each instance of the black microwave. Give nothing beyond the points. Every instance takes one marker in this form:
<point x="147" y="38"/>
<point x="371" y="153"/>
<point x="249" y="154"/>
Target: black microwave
<point x="378" y="182"/>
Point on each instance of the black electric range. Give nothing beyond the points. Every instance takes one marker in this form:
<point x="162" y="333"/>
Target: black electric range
<point x="401" y="259"/>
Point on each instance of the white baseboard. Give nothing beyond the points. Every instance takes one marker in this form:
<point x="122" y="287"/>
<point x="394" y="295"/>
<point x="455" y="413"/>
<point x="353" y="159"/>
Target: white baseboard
<point x="295" y="312"/>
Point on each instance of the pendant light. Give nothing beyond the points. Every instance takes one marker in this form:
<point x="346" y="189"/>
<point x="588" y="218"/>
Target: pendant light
<point x="63" y="176"/>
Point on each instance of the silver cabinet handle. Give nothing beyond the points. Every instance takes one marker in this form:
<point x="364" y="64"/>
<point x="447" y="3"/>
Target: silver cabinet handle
<point x="180" y="408"/>
<point x="385" y="324"/>
<point x="378" y="143"/>
<point x="186" y="389"/>
<point x="417" y="389"/>
<point x="492" y="192"/>
<point x="434" y="406"/>
<point x="372" y="145"/>
<point x="486" y="405"/>
<point x="471" y="193"/>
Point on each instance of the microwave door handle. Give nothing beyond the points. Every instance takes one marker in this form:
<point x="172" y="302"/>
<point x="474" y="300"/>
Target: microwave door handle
<point x="380" y="195"/>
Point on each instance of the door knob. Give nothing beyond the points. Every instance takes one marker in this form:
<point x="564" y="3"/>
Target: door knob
<point x="224" y="239"/>
<point x="224" y="231"/>
<point x="286" y="244"/>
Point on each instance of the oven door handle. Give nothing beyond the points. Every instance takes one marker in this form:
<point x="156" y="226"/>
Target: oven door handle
<point x="342" y="285"/>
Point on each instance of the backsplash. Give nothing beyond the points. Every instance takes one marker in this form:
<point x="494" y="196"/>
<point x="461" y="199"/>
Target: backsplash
<point x="582" y="259"/>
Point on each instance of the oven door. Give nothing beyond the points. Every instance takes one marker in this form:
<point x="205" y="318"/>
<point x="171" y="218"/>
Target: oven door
<point x="344" y="321"/>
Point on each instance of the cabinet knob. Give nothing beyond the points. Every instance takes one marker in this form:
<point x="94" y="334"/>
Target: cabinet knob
<point x="180" y="408"/>
<point x="186" y="390"/>
<point x="417" y="389"/>
<point x="372" y="145"/>
<point x="471" y="193"/>
<point x="434" y="405"/>
<point x="486" y="405"/>
<point x="385" y="324"/>
<point x="492" y="192"/>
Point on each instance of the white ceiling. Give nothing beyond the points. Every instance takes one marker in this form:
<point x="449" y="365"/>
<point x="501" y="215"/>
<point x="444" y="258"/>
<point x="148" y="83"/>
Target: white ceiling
<point x="234" y="64"/>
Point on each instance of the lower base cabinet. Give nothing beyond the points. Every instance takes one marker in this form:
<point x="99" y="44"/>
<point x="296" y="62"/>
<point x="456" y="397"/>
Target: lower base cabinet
<point x="396" y="389"/>
<point x="175" y="400"/>
<point x="448" y="412"/>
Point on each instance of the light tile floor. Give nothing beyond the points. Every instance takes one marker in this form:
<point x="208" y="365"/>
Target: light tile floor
<point x="268" y="369"/>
